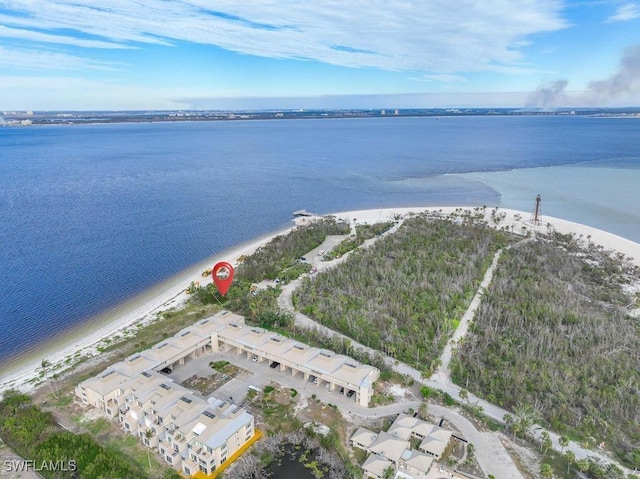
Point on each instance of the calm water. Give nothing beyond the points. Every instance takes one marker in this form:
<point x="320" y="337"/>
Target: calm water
<point x="289" y="467"/>
<point x="93" y="215"/>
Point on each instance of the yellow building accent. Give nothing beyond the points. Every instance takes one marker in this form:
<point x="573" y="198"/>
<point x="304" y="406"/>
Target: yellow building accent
<point x="201" y="475"/>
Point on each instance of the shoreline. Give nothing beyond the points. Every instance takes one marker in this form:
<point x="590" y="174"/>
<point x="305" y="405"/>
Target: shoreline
<point x="123" y="319"/>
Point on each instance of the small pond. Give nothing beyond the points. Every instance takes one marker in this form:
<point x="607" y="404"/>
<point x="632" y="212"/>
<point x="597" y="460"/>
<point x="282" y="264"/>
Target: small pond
<point x="288" y="467"/>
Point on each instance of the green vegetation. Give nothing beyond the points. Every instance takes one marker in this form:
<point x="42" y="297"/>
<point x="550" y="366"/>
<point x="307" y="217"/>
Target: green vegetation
<point x="278" y="259"/>
<point x="363" y="233"/>
<point x="260" y="307"/>
<point x="282" y="252"/>
<point x="553" y="331"/>
<point x="218" y="365"/>
<point x="34" y="435"/>
<point x="404" y="294"/>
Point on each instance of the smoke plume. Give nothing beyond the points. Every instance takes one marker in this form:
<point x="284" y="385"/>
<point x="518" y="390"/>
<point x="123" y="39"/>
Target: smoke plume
<point x="550" y="96"/>
<point x="625" y="80"/>
<point x="616" y="88"/>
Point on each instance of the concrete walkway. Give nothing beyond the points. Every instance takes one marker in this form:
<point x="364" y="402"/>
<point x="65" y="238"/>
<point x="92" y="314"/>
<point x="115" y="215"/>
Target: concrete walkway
<point x="467" y="317"/>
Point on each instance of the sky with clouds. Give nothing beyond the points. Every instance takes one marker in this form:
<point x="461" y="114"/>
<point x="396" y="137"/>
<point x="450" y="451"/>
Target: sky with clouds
<point x="222" y="54"/>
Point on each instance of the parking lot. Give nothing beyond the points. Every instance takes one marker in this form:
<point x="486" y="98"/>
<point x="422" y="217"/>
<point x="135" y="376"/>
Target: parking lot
<point x="257" y="375"/>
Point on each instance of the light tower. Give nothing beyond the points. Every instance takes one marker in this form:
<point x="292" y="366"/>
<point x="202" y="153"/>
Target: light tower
<point x="536" y="213"/>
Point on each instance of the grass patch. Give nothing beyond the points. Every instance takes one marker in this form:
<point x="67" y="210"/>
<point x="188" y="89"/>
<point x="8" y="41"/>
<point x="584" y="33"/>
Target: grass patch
<point x="99" y="425"/>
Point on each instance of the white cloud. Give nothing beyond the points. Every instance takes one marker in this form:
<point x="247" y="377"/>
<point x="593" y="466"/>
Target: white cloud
<point x="26" y="59"/>
<point x="436" y="36"/>
<point x="29" y="35"/>
<point x="626" y="12"/>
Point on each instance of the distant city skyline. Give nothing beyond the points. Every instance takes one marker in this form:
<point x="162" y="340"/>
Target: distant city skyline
<point x="205" y="54"/>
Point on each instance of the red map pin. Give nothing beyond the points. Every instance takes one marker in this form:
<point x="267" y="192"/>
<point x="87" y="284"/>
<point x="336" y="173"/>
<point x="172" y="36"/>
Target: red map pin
<point x="222" y="274"/>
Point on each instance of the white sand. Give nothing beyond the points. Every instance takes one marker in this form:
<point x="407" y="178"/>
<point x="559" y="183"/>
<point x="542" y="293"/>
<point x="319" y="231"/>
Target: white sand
<point x="599" y="237"/>
<point x="122" y="319"/>
<point x="171" y="293"/>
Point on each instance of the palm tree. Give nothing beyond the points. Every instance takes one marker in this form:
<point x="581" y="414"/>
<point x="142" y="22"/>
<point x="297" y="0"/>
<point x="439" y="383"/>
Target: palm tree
<point x="388" y="473"/>
<point x="545" y="443"/>
<point x="510" y="423"/>
<point x="583" y="465"/>
<point x="148" y="435"/>
<point x="525" y="416"/>
<point x="464" y="394"/>
<point x="44" y="366"/>
<point x="423" y="410"/>
<point x="546" y="471"/>
<point x="571" y="458"/>
<point x="564" y="442"/>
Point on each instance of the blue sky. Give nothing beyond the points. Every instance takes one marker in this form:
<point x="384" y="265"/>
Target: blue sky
<point x="221" y="54"/>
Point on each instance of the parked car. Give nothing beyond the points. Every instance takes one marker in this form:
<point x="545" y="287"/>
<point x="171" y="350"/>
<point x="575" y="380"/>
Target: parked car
<point x="166" y="370"/>
<point x="274" y="365"/>
<point x="254" y="359"/>
<point x="350" y="393"/>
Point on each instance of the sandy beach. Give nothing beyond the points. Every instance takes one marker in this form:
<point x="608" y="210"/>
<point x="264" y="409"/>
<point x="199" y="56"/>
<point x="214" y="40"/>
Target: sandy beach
<point x="140" y="310"/>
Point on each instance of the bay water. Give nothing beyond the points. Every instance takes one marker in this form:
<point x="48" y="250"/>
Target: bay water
<point x="93" y="215"/>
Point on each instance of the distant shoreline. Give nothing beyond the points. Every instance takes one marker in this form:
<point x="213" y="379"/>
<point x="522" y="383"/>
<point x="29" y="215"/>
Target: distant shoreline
<point x="70" y="118"/>
<point x="141" y="309"/>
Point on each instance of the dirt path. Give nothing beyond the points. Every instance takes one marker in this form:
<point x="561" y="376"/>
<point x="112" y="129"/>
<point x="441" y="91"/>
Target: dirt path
<point x="461" y="331"/>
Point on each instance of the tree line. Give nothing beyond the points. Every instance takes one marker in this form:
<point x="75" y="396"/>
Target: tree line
<point x="57" y="453"/>
<point x="553" y="334"/>
<point x="283" y="252"/>
<point x="406" y="293"/>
